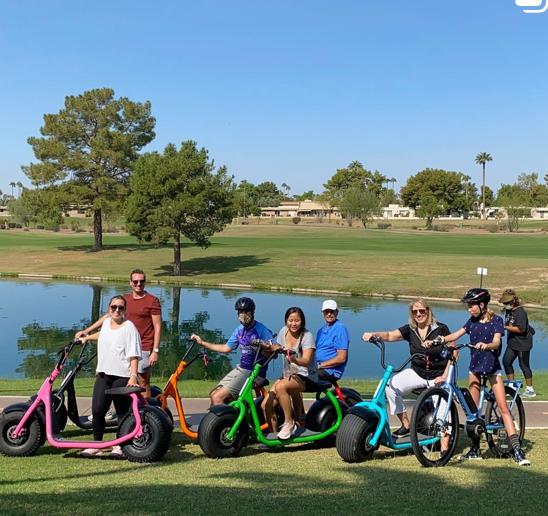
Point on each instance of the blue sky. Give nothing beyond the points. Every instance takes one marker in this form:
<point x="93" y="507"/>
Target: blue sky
<point x="289" y="91"/>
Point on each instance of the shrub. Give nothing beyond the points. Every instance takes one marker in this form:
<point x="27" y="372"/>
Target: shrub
<point x="75" y="225"/>
<point x="40" y="226"/>
<point x="55" y="228"/>
<point x="245" y="222"/>
<point x="442" y="229"/>
<point x="19" y="226"/>
<point x="414" y="227"/>
<point x="296" y="220"/>
<point x="64" y="226"/>
<point x="11" y="225"/>
<point x="384" y="225"/>
<point x="493" y="228"/>
<point x="25" y="229"/>
<point x="110" y="229"/>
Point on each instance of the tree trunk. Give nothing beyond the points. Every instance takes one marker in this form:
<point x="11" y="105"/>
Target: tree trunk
<point x="176" y="307"/>
<point x="97" y="230"/>
<point x="96" y="303"/>
<point x="483" y="205"/>
<point x="177" y="254"/>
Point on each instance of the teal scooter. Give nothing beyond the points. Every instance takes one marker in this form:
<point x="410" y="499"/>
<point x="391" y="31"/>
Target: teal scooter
<point x="366" y="425"/>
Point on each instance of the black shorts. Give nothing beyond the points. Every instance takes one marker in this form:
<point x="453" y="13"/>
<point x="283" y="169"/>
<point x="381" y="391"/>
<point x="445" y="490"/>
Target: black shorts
<point x="327" y="377"/>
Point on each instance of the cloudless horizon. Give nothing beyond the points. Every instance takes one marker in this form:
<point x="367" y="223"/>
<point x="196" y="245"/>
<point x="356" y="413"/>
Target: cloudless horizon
<point x="291" y="91"/>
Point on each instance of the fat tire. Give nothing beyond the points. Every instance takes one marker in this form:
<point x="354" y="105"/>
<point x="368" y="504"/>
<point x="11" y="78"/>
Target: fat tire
<point x="34" y="431"/>
<point x="210" y="433"/>
<point x="352" y="438"/>
<point x="156" y="438"/>
<point x="490" y="412"/>
<point x="329" y="421"/>
<point x="423" y="401"/>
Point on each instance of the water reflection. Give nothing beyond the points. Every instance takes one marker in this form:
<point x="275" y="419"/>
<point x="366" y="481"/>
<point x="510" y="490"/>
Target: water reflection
<point x="37" y="318"/>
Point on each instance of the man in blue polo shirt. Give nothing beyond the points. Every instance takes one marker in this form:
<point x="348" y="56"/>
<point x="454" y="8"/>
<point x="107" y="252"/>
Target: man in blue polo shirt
<point x="248" y="331"/>
<point x="332" y="343"/>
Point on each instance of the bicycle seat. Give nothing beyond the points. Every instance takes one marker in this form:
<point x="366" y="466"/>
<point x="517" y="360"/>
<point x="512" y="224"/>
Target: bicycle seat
<point x="124" y="390"/>
<point x="319" y="386"/>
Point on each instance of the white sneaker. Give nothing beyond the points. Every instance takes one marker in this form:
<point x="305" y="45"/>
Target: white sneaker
<point x="109" y="416"/>
<point x="529" y="393"/>
<point x="287" y="430"/>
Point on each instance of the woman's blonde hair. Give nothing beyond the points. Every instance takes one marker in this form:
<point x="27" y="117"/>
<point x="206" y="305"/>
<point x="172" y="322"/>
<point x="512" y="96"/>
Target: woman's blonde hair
<point x="430" y="319"/>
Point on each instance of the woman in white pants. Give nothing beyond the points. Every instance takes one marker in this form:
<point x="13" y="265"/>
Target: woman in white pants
<point x="425" y="371"/>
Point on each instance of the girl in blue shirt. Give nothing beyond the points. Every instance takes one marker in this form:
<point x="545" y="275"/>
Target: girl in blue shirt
<point x="486" y="330"/>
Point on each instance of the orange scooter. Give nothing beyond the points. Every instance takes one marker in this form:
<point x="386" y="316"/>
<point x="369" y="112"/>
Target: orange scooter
<point x="172" y="390"/>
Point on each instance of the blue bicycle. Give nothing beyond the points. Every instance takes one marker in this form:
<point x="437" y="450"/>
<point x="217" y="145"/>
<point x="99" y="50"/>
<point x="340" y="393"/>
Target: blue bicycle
<point x="366" y="425"/>
<point x="435" y="416"/>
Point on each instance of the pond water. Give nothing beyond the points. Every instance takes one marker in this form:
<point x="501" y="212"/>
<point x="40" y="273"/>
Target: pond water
<point x="37" y="318"/>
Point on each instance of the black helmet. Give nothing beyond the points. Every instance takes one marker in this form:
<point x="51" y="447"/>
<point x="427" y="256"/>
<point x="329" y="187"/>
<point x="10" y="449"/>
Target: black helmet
<point x="245" y="303"/>
<point x="477" y="296"/>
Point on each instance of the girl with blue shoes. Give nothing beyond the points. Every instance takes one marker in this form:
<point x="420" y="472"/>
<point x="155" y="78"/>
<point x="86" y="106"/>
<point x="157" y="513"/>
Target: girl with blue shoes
<point x="486" y="330"/>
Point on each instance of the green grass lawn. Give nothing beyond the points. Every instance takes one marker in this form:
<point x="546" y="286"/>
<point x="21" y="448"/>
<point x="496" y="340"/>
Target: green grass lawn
<point x="330" y="258"/>
<point x="201" y="388"/>
<point x="296" y="480"/>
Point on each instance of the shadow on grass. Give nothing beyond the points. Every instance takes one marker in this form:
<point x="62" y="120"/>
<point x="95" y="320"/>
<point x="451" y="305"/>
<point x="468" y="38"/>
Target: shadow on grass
<point x="213" y="265"/>
<point x="336" y="489"/>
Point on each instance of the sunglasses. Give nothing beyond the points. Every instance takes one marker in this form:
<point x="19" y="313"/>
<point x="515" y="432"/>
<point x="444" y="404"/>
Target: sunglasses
<point x="138" y="282"/>
<point x="421" y="311"/>
<point x="119" y="308"/>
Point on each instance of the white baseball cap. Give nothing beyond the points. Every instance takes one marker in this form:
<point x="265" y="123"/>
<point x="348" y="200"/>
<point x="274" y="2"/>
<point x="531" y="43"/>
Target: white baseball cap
<point x="329" y="305"/>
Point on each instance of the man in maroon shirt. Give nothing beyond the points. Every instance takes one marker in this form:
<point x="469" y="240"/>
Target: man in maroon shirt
<point x="144" y="311"/>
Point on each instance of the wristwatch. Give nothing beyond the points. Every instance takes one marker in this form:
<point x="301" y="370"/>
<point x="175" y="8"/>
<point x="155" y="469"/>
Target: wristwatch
<point x="156" y="350"/>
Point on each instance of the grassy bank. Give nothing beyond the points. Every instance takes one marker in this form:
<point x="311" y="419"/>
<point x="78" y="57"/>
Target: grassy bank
<point x="201" y="388"/>
<point x="300" y="478"/>
<point x="329" y="258"/>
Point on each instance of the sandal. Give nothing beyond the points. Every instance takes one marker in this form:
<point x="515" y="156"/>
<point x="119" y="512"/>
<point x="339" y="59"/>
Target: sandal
<point x="116" y="453"/>
<point x="91" y="452"/>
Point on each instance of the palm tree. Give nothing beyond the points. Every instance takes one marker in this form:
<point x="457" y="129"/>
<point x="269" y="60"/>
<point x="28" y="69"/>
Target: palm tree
<point x="481" y="159"/>
<point x="286" y="187"/>
<point x="393" y="180"/>
<point x="13" y="185"/>
<point x="20" y="187"/>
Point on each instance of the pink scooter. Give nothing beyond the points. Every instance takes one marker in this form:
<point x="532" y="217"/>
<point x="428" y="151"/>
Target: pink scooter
<point x="144" y="433"/>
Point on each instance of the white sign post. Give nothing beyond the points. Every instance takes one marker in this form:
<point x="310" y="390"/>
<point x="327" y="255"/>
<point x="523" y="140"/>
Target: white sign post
<point x="482" y="272"/>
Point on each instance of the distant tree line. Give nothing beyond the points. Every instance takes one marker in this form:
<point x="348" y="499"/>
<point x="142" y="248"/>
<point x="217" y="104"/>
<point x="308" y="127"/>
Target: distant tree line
<point x="89" y="155"/>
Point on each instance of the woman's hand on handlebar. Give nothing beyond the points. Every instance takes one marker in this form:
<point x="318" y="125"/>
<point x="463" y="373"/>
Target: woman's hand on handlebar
<point x="367" y="336"/>
<point x="482" y="346"/>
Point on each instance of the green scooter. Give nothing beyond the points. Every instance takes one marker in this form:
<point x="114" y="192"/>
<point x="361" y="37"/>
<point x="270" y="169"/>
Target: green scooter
<point x="226" y="429"/>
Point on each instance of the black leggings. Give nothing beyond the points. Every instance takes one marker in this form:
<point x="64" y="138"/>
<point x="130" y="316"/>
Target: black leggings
<point x="509" y="358"/>
<point x="101" y="402"/>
